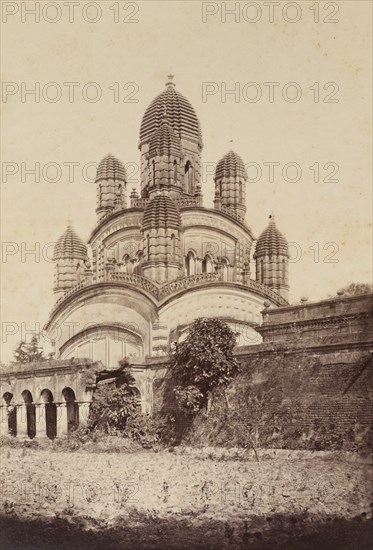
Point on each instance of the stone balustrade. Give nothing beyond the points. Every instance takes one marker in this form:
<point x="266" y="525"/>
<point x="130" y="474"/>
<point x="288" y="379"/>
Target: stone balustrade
<point x="161" y="291"/>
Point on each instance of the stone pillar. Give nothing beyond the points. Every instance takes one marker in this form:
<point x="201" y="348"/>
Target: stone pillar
<point x="40" y="420"/>
<point x="61" y="419"/>
<point x="22" y="421"/>
<point x="83" y="412"/>
<point x="4" y="428"/>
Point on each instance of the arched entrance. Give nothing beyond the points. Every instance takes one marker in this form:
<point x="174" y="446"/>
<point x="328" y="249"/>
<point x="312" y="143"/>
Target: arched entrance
<point x="11" y="413"/>
<point x="50" y="414"/>
<point x="72" y="409"/>
<point x="30" y="414"/>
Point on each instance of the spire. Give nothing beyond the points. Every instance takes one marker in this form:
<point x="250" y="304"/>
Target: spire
<point x="170" y="80"/>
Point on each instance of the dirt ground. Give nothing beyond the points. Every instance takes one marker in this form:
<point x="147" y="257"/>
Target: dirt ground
<point x="184" y="499"/>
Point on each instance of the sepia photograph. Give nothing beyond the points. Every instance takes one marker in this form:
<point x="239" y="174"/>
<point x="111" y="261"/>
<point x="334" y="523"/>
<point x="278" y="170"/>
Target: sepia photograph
<point x="186" y="275"/>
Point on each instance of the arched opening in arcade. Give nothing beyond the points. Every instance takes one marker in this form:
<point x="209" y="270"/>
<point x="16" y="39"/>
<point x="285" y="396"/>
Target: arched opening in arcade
<point x="11" y="413"/>
<point x="30" y="413"/>
<point x="50" y="415"/>
<point x="72" y="409"/>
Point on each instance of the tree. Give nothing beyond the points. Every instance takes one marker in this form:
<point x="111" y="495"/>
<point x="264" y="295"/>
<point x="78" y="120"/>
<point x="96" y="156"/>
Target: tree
<point x="29" y="353"/>
<point x="355" y="289"/>
<point x="202" y="362"/>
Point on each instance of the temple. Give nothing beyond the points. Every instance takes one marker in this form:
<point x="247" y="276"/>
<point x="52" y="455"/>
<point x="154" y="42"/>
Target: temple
<point x="157" y="261"/>
<point x="154" y="262"/>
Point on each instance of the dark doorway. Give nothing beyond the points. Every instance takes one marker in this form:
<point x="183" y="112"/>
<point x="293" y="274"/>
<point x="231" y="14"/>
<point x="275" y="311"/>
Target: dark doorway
<point x="30" y="414"/>
<point x="50" y="414"/>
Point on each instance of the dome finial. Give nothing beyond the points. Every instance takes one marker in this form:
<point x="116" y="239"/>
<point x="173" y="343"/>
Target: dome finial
<point x="170" y="80"/>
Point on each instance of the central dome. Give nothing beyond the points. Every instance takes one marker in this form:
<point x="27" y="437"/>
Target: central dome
<point x="165" y="141"/>
<point x="180" y="114"/>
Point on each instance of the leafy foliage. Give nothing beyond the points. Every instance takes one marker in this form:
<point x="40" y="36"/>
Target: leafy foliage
<point x="112" y="406"/>
<point x="29" y="353"/>
<point x="146" y="430"/>
<point x="202" y="362"/>
<point x="189" y="398"/>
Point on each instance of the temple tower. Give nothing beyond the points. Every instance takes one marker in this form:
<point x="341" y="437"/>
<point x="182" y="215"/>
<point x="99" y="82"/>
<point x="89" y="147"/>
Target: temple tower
<point x="230" y="185"/>
<point x="111" y="186"/>
<point x="71" y="261"/>
<point x="161" y="239"/>
<point x="165" y="161"/>
<point x="272" y="259"/>
<point x="183" y="120"/>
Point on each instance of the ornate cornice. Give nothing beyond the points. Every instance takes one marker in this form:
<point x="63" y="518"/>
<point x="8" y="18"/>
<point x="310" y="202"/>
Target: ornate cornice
<point x="159" y="294"/>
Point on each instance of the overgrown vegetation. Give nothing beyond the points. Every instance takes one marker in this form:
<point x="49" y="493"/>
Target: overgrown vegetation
<point x="30" y="352"/>
<point x="202" y="362"/>
<point x="355" y="289"/>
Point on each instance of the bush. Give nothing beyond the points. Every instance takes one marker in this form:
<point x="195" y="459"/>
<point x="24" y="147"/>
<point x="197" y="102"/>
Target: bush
<point x="111" y="408"/>
<point x="147" y="430"/>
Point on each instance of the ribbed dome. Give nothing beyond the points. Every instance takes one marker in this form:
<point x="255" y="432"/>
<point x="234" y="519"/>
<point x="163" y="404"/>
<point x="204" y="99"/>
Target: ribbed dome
<point x="231" y="165"/>
<point x="181" y="115"/>
<point x="161" y="211"/>
<point x="271" y="241"/>
<point x="165" y="141"/>
<point x="70" y="246"/>
<point x="110" y="168"/>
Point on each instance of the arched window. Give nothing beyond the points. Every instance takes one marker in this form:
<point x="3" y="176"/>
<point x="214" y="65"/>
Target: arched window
<point x="148" y="246"/>
<point x="190" y="264"/>
<point x="261" y="274"/>
<point x="225" y="269"/>
<point x="189" y="178"/>
<point x="207" y="264"/>
<point x="175" y="171"/>
<point x="283" y="271"/>
<point x="173" y="245"/>
<point x="126" y="264"/>
<point x="153" y="172"/>
<point x="139" y="258"/>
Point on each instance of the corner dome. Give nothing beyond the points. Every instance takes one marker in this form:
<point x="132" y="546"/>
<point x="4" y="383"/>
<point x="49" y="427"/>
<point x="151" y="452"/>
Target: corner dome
<point x="180" y="112"/>
<point x="161" y="211"/>
<point x="165" y="141"/>
<point x="70" y="246"/>
<point x="271" y="242"/>
<point x="111" y="168"/>
<point x="231" y="166"/>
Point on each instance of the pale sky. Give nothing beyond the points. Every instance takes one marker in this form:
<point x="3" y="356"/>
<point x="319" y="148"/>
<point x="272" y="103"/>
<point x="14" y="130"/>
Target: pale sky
<point x="171" y="37"/>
